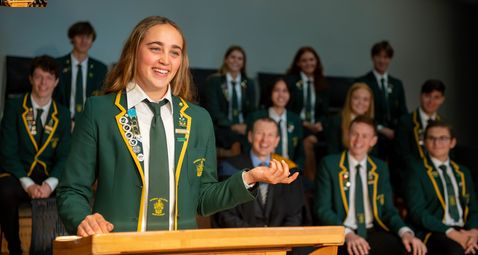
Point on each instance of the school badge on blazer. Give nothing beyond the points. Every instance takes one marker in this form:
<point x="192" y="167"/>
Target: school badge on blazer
<point x="199" y="166"/>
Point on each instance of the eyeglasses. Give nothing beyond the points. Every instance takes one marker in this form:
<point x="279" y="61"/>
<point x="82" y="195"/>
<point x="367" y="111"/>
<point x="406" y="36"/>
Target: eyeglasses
<point x="440" y="139"/>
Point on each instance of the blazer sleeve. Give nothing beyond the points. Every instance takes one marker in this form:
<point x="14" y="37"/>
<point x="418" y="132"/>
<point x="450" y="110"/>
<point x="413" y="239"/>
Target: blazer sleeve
<point x="416" y="202"/>
<point x="63" y="148"/>
<point x="324" y="189"/>
<point x="10" y="156"/>
<point x="472" y="219"/>
<point x="74" y="192"/>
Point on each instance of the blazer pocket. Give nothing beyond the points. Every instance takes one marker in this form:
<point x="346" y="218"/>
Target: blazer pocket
<point x="196" y="163"/>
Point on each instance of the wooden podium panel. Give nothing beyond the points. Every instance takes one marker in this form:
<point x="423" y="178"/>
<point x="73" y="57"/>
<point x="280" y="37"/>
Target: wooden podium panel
<point x="267" y="241"/>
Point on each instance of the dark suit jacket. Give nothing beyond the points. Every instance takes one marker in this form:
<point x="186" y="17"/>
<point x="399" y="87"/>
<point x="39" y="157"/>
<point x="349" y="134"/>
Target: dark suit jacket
<point x="294" y="135"/>
<point x="284" y="203"/>
<point x="100" y="150"/>
<point x="94" y="79"/>
<point x="217" y="102"/>
<point x="20" y="154"/>
<point x="296" y="103"/>
<point x="426" y="201"/>
<point x="396" y="100"/>
<point x="332" y="193"/>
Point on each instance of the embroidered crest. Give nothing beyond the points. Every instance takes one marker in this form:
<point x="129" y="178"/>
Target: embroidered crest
<point x="54" y="142"/>
<point x="381" y="199"/>
<point x="199" y="166"/>
<point x="90" y="75"/>
<point x="244" y="84"/>
<point x="158" y="205"/>
<point x="290" y="127"/>
<point x="299" y="84"/>
<point x="182" y="121"/>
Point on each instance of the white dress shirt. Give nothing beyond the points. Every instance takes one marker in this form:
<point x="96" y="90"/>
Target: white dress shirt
<point x="238" y="93"/>
<point x="74" y="71"/>
<point x="379" y="78"/>
<point x="447" y="220"/>
<point x="282" y="119"/>
<point x="305" y="83"/>
<point x="424" y="118"/>
<point x="135" y="96"/>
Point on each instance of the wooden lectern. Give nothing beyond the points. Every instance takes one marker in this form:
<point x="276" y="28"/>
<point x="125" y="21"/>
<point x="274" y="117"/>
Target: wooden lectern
<point x="253" y="241"/>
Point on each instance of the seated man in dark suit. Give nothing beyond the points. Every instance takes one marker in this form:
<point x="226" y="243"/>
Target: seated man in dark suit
<point x="34" y="144"/>
<point x="275" y="205"/>
<point x="441" y="197"/>
<point x="353" y="189"/>
<point x="388" y="94"/>
<point x="409" y="133"/>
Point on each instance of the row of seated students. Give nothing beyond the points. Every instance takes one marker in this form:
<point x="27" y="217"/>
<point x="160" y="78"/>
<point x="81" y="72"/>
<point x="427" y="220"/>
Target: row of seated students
<point x="35" y="130"/>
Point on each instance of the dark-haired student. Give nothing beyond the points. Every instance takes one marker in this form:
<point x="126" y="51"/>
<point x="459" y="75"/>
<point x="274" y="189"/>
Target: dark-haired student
<point x="34" y="145"/>
<point x="81" y="76"/>
<point x="409" y="132"/>
<point x="353" y="190"/>
<point x="310" y="100"/>
<point x="389" y="96"/>
<point x="441" y="197"/>
<point x="152" y="151"/>
<point x="290" y="125"/>
<point x="230" y="99"/>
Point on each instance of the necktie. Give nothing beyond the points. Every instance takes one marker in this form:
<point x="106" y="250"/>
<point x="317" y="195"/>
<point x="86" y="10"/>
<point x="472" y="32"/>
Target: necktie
<point x="452" y="203"/>
<point x="39" y="125"/>
<point x="385" y="99"/>
<point x="158" y="193"/>
<point x="263" y="188"/>
<point x="79" y="90"/>
<point x="359" y="205"/>
<point x="235" y="104"/>
<point x="308" y="102"/>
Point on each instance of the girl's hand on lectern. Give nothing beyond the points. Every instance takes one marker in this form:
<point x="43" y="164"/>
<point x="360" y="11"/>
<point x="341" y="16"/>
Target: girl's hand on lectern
<point x="94" y="224"/>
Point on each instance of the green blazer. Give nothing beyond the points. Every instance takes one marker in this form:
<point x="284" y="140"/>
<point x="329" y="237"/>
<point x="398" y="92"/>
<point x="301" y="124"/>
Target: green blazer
<point x="295" y="146"/>
<point x="408" y="135"/>
<point x="296" y="103"/>
<point x="20" y="154"/>
<point x="217" y="101"/>
<point x="94" y="79"/>
<point x="332" y="193"/>
<point x="333" y="134"/>
<point x="426" y="201"/>
<point x="396" y="100"/>
<point x="100" y="150"/>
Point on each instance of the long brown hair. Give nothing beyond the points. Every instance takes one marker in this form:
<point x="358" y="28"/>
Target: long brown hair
<point x="124" y="71"/>
<point x="346" y="114"/>
<point x="319" y="78"/>
<point x="223" y="69"/>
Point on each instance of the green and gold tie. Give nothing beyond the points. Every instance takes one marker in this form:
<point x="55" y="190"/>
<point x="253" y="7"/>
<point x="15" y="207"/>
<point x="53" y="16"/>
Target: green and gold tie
<point x="158" y="181"/>
<point x="235" y="104"/>
<point x="79" y="91"/>
<point x="359" y="205"/>
<point x="450" y="191"/>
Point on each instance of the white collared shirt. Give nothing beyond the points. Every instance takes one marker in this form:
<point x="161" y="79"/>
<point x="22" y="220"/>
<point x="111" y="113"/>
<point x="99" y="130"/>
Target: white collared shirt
<point x="424" y="118"/>
<point x="305" y="83"/>
<point x="135" y="96"/>
<point x="379" y="78"/>
<point x="74" y="71"/>
<point x="238" y="93"/>
<point x="447" y="220"/>
<point x="26" y="182"/>
<point x="282" y="119"/>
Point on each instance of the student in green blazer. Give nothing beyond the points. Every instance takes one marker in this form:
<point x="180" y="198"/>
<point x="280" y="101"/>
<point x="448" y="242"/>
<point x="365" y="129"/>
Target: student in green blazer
<point x="358" y="101"/>
<point x="231" y="99"/>
<point x="34" y="144"/>
<point x="409" y="132"/>
<point x="290" y="125"/>
<point x="89" y="78"/>
<point x="310" y="100"/>
<point x="389" y="96"/>
<point x="440" y="196"/>
<point x="353" y="189"/>
<point x="155" y="163"/>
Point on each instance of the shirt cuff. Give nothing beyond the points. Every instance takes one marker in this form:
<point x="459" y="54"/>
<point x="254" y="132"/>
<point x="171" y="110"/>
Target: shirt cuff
<point x="248" y="186"/>
<point x="348" y="230"/>
<point x="26" y="182"/>
<point x="404" y="230"/>
<point x="52" y="182"/>
<point x="449" y="230"/>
